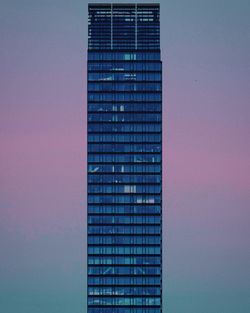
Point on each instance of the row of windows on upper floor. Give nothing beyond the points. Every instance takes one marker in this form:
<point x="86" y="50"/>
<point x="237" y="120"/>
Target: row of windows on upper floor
<point x="125" y="301"/>
<point x="127" y="168"/>
<point x="153" y="219"/>
<point x="125" y="40"/>
<point x="122" y="34"/>
<point x="148" y="234"/>
<point x="125" y="310"/>
<point x="123" y="10"/>
<point x="120" y="22"/>
<point x="123" y="30"/>
<point x="124" y="209"/>
<point x="96" y="210"/>
<point x="124" y="158"/>
<point x="124" y="86"/>
<point x="128" y="178"/>
<point x="124" y="117"/>
<point x="124" y="56"/>
<point x="133" y="199"/>
<point x="129" y="67"/>
<point x="124" y="77"/>
<point x="108" y="240"/>
<point x="120" y="8"/>
<point x="124" y="127"/>
<point x="108" y="42"/>
<point x="133" y="281"/>
<point x="105" y="44"/>
<point x="123" y="18"/>
<point x="129" y="96"/>
<point x="124" y="189"/>
<point x="122" y="25"/>
<point x="124" y="37"/>
<point x="124" y="250"/>
<point x="119" y="147"/>
<point x="124" y="229"/>
<point x="129" y="43"/>
<point x="125" y="107"/>
<point x="124" y="291"/>
<point x="120" y="270"/>
<point x="124" y="138"/>
<point x="124" y="260"/>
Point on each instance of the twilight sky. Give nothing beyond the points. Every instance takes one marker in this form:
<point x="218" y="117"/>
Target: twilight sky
<point x="206" y="55"/>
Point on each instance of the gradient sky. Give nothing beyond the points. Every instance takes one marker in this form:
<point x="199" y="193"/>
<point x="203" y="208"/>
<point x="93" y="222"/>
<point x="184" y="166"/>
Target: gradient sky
<point x="206" y="55"/>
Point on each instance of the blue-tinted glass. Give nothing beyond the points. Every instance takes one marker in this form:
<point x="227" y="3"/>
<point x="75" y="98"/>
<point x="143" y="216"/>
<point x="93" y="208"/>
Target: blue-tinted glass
<point x="124" y="159"/>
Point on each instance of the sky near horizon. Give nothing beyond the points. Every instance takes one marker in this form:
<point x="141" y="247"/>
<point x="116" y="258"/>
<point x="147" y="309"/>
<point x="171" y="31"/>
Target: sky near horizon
<point x="206" y="58"/>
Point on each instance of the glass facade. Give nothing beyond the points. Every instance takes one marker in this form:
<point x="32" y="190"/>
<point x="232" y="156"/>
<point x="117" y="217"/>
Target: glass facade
<point x="124" y="159"/>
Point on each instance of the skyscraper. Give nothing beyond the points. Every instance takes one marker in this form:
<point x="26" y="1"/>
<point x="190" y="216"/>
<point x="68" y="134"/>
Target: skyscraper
<point x="124" y="159"/>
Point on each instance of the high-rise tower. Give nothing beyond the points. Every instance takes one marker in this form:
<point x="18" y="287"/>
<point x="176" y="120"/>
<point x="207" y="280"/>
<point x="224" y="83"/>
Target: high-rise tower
<point x="124" y="159"/>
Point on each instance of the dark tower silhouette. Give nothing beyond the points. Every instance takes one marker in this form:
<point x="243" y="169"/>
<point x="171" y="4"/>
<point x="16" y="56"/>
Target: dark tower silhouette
<point x="124" y="159"/>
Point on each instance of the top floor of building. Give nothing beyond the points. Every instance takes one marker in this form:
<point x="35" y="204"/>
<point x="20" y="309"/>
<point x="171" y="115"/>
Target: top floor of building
<point x="124" y="26"/>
